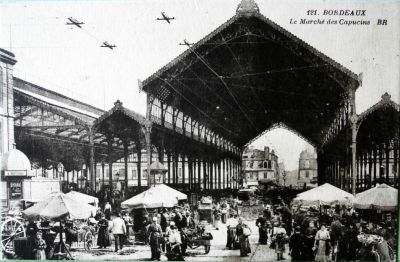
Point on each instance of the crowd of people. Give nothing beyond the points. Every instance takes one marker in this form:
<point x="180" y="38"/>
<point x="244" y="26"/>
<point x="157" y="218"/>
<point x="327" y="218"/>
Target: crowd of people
<point x="337" y="233"/>
<point x="312" y="234"/>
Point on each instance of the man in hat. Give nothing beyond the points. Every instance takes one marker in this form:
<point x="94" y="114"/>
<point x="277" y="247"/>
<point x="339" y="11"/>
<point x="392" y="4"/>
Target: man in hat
<point x="155" y="233"/>
<point x="118" y="230"/>
<point x="188" y="220"/>
<point x="296" y="245"/>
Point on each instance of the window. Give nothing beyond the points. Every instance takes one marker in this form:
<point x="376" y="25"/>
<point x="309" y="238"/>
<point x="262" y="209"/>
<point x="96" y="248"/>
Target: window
<point x="307" y="174"/>
<point x="307" y="164"/>
<point x="134" y="174"/>
<point x="265" y="164"/>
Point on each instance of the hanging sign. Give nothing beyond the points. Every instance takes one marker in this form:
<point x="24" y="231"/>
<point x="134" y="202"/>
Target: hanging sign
<point x="15" y="173"/>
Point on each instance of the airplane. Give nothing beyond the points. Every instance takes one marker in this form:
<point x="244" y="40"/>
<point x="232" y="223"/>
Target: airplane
<point x="73" y="21"/>
<point x="165" y="17"/>
<point x="106" y="44"/>
<point x="185" y="42"/>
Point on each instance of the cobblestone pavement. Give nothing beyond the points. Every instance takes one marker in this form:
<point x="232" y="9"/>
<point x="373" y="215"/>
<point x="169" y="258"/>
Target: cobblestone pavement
<point x="218" y="250"/>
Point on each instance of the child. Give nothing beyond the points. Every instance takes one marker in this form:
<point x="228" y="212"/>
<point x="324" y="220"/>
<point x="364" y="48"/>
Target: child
<point x="39" y="247"/>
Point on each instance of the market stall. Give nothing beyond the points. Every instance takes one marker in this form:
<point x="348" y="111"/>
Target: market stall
<point x="325" y="194"/>
<point x="382" y="197"/>
<point x="155" y="197"/>
<point x="59" y="207"/>
<point x="88" y="199"/>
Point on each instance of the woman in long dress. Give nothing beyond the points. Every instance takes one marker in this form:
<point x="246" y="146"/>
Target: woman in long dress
<point x="39" y="247"/>
<point x="103" y="239"/>
<point x="321" y="244"/>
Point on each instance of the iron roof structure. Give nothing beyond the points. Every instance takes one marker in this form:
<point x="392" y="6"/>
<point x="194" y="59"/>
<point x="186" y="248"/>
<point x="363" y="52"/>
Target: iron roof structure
<point x="250" y="74"/>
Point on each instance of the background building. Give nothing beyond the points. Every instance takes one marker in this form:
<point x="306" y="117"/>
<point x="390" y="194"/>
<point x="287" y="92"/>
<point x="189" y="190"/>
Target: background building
<point x="308" y="175"/>
<point x="259" y="165"/>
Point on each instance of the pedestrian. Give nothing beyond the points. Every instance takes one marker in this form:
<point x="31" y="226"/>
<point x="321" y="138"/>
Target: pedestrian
<point x="231" y="224"/>
<point x="178" y="219"/>
<point x="336" y="233"/>
<point x="309" y="242"/>
<point x="118" y="230"/>
<point x="128" y="224"/>
<point x="261" y="223"/>
<point x="103" y="239"/>
<point x="188" y="221"/>
<point x="217" y="218"/>
<point x="279" y="237"/>
<point x="353" y="245"/>
<point x="321" y="244"/>
<point x="174" y="244"/>
<point x="107" y="211"/>
<point x="243" y="231"/>
<point x="164" y="220"/>
<point x="39" y="247"/>
<point x="31" y="230"/>
<point x="296" y="245"/>
<point x="155" y="233"/>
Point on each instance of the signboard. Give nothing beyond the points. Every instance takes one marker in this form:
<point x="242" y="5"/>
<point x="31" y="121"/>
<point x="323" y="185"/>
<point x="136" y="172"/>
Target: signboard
<point x="15" y="189"/>
<point x="15" y="173"/>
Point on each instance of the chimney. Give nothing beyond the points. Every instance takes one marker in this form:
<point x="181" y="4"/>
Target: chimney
<point x="266" y="151"/>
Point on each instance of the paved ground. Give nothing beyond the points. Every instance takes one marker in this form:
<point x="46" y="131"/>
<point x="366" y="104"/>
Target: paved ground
<point x="218" y="251"/>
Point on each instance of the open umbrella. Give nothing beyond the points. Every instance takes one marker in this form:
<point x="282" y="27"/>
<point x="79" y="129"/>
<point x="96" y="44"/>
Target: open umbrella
<point x="382" y="197"/>
<point x="57" y="207"/>
<point x="78" y="196"/>
<point x="325" y="194"/>
<point x="164" y="189"/>
<point x="155" y="197"/>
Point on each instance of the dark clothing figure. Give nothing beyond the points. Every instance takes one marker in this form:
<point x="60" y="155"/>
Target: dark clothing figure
<point x="336" y="232"/>
<point x="267" y="214"/>
<point x="178" y="220"/>
<point x="243" y="240"/>
<point x="352" y="244"/>
<point x="309" y="244"/>
<point x="188" y="222"/>
<point x="155" y="233"/>
<point x="261" y="222"/>
<point x="71" y="234"/>
<point x="296" y="246"/>
<point x="231" y="237"/>
<point x="103" y="239"/>
<point x="163" y="222"/>
<point x="31" y="229"/>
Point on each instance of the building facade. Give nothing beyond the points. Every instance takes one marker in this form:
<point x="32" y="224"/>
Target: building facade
<point x="308" y="169"/>
<point x="259" y="166"/>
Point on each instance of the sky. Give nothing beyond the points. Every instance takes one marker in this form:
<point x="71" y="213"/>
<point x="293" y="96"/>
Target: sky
<point x="70" y="61"/>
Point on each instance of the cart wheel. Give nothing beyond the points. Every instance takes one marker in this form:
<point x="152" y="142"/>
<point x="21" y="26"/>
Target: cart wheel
<point x="207" y="249"/>
<point x="11" y="229"/>
<point x="88" y="240"/>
